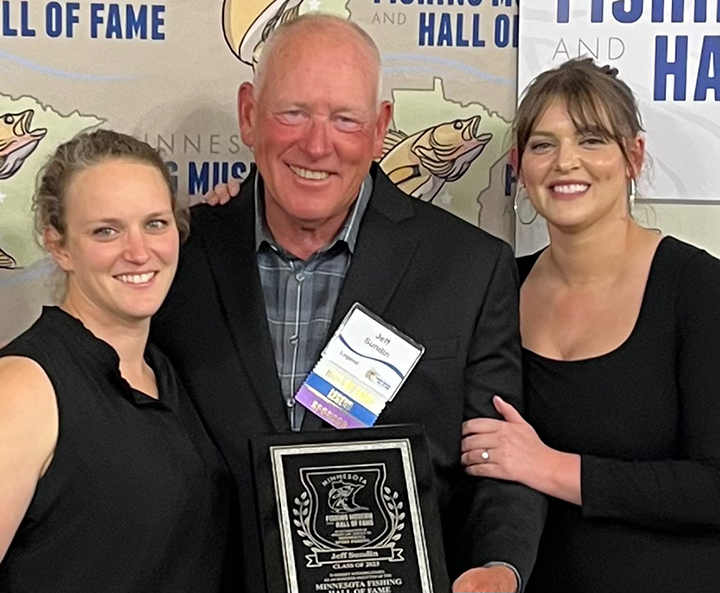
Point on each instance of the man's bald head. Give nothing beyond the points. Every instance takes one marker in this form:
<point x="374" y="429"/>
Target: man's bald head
<point x="315" y="25"/>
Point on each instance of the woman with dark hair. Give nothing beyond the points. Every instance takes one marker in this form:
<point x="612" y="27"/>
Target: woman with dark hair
<point x="621" y="342"/>
<point x="108" y="481"/>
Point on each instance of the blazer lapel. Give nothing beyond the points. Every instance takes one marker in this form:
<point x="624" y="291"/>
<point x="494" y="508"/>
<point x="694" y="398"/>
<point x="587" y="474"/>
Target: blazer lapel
<point x="234" y="264"/>
<point x="382" y="255"/>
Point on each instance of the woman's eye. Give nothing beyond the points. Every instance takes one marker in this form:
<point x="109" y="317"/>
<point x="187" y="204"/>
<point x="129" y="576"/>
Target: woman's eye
<point x="105" y="231"/>
<point x="157" y="224"/>
<point x="540" y="145"/>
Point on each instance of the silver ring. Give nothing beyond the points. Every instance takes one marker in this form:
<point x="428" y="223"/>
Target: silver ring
<point x="485" y="455"/>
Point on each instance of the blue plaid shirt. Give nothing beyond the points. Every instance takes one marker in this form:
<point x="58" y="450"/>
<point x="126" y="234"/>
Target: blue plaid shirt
<point x="300" y="296"/>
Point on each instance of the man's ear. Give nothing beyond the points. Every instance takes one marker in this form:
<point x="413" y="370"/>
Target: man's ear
<point x="54" y="244"/>
<point x="384" y="118"/>
<point x="246" y="112"/>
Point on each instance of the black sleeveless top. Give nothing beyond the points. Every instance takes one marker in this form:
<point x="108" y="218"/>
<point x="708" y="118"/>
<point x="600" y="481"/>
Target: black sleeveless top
<point x="136" y="498"/>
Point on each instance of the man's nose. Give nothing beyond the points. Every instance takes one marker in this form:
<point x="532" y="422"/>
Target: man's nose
<point x="317" y="137"/>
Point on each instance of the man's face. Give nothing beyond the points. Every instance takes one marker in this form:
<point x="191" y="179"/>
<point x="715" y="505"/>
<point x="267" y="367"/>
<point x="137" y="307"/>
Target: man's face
<point x="314" y="127"/>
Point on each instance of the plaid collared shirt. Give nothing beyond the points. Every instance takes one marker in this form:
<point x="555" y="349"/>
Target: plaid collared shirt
<point x="300" y="296"/>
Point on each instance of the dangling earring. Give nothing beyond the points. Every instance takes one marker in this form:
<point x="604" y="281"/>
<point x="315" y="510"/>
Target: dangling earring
<point x="632" y="194"/>
<point x="516" y="201"/>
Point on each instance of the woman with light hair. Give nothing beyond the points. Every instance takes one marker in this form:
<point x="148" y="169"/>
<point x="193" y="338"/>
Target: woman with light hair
<point x="108" y="481"/>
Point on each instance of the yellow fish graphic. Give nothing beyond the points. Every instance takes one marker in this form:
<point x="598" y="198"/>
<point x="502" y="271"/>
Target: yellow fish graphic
<point x="6" y="260"/>
<point x="422" y="163"/>
<point x="248" y="23"/>
<point x="17" y="141"/>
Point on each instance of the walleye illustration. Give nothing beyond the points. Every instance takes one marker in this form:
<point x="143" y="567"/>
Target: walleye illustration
<point x="248" y="23"/>
<point x="17" y="141"/>
<point x="6" y="260"/>
<point x="341" y="498"/>
<point x="422" y="163"/>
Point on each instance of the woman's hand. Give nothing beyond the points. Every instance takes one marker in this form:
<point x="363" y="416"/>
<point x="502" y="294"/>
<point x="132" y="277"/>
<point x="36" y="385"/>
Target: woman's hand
<point x="222" y="193"/>
<point x="510" y="449"/>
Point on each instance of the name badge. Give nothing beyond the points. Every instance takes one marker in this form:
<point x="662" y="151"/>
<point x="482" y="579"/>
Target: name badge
<point x="360" y="370"/>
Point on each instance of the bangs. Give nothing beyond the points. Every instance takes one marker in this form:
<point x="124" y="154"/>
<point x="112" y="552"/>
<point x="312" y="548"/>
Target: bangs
<point x="591" y="114"/>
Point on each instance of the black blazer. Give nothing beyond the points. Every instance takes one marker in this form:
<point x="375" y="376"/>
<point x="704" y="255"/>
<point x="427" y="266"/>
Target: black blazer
<point x="445" y="283"/>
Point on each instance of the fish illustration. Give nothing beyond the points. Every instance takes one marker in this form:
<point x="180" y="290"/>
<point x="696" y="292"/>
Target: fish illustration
<point x="341" y="498"/>
<point x="17" y="141"/>
<point x="248" y="23"/>
<point x="7" y="260"/>
<point x="422" y="163"/>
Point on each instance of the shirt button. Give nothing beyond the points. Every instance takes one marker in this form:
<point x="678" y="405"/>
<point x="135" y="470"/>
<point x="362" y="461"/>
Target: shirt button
<point x="290" y="402"/>
<point x="300" y="276"/>
<point x="293" y="340"/>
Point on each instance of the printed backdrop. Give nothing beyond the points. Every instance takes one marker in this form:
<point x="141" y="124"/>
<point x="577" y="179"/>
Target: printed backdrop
<point x="168" y="72"/>
<point x="668" y="51"/>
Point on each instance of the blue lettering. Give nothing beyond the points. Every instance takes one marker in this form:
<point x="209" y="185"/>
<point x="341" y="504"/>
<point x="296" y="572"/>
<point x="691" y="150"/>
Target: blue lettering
<point x="502" y="30"/>
<point x="677" y="12"/>
<point x="509" y="179"/>
<point x="427" y="29"/>
<point x="563" y="11"/>
<point x="596" y="14"/>
<point x="136" y="24"/>
<point x="238" y="169"/>
<point x="709" y="62"/>
<point x="445" y="31"/>
<point x="72" y="18"/>
<point x="477" y="40"/>
<point x="158" y="21"/>
<point x="701" y="11"/>
<point x="53" y="19"/>
<point x="25" y="29"/>
<point x="459" y="40"/>
<point x="199" y="181"/>
<point x="7" y="29"/>
<point x="664" y="67"/>
<point x="96" y="19"/>
<point x="114" y="24"/>
<point x="173" y="169"/>
<point x="627" y="15"/>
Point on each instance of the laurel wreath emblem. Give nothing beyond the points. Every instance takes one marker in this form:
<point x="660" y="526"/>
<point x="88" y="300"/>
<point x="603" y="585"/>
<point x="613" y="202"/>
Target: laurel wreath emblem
<point x="301" y="520"/>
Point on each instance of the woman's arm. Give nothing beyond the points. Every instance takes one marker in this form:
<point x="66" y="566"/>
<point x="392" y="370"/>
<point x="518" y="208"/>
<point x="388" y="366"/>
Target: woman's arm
<point x="510" y="449"/>
<point x="28" y="435"/>
<point x="679" y="494"/>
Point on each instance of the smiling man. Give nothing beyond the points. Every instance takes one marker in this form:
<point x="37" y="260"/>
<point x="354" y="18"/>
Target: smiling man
<point x="266" y="279"/>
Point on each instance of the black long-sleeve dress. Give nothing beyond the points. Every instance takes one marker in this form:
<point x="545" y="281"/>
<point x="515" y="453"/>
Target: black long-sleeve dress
<point x="645" y="419"/>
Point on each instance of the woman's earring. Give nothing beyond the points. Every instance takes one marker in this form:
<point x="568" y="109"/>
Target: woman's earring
<point x="516" y="204"/>
<point x="632" y="194"/>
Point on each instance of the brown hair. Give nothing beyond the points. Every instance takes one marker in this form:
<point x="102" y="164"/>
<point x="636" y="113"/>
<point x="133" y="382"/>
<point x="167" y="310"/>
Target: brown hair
<point x="596" y="100"/>
<point x="82" y="152"/>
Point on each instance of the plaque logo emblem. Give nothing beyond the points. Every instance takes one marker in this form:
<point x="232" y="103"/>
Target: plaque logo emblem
<point x="347" y="514"/>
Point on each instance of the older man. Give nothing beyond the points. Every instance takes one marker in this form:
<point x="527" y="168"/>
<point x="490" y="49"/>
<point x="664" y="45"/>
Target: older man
<point x="265" y="280"/>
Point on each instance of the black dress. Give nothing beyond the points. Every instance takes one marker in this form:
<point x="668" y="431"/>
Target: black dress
<point x="136" y="498"/>
<point x="645" y="419"/>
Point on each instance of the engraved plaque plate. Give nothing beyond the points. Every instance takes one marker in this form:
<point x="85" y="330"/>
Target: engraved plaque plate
<point x="349" y="511"/>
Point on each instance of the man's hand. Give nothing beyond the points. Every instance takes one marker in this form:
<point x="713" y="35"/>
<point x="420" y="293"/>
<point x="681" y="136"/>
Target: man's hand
<point x="490" y="579"/>
<point x="222" y="193"/>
